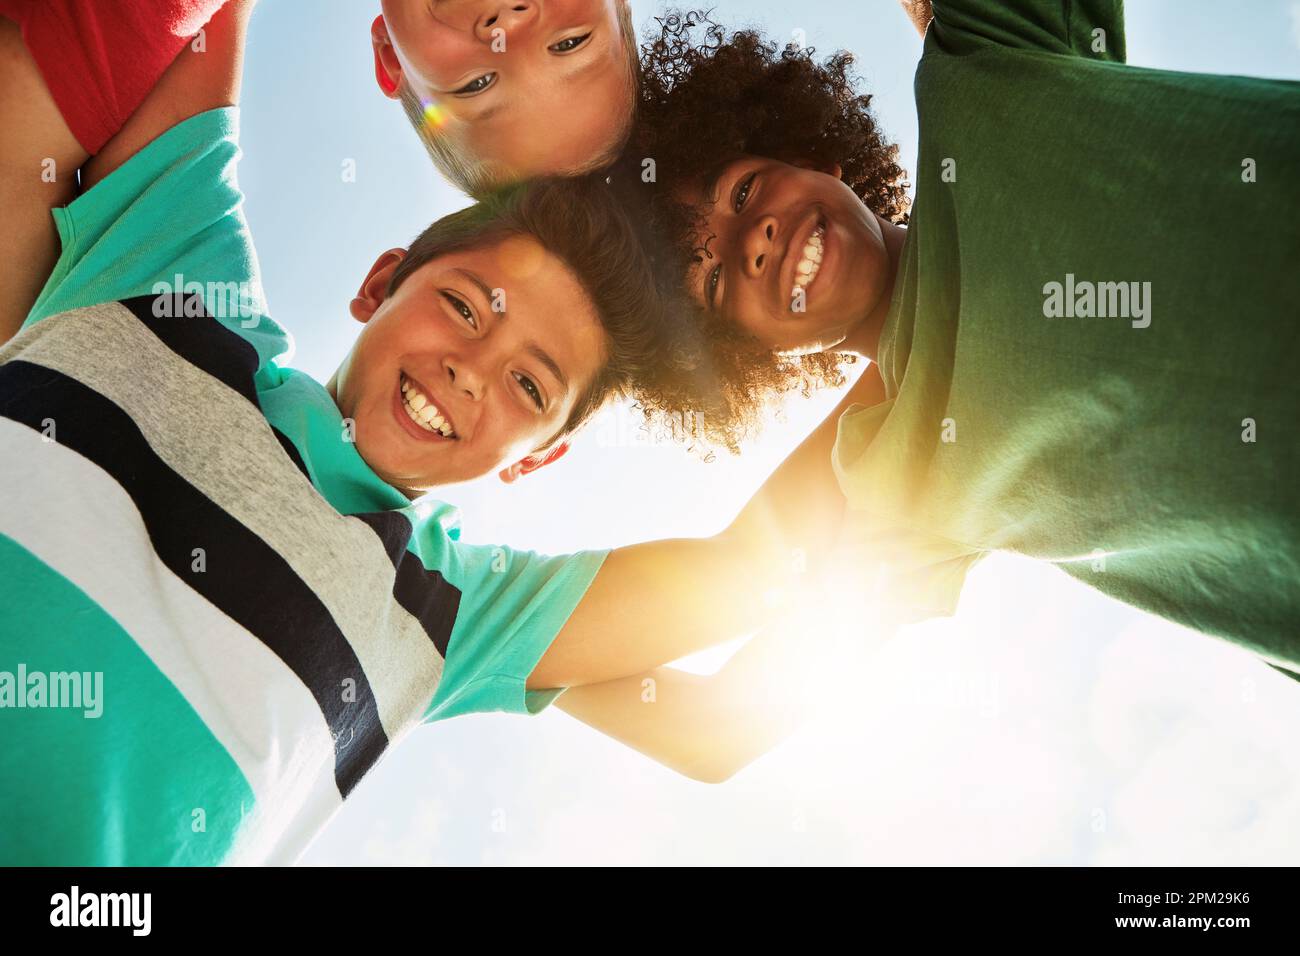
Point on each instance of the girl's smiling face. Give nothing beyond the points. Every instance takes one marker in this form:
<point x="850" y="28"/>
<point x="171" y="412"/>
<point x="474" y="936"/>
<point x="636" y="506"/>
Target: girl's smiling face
<point x="474" y="361"/>
<point x="787" y="252"/>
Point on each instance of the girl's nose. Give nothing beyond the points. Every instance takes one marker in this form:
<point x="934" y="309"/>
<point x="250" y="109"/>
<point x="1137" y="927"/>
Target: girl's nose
<point x="757" y="245"/>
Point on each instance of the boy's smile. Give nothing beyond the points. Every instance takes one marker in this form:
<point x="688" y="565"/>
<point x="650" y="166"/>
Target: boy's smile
<point x="788" y="253"/>
<point x="474" y="362"/>
<point x="421" y="415"/>
<point x="529" y="86"/>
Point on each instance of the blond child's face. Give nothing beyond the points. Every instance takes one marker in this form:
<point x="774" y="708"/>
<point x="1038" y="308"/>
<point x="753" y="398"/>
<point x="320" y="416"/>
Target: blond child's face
<point x="474" y="361"/>
<point x="529" y="87"/>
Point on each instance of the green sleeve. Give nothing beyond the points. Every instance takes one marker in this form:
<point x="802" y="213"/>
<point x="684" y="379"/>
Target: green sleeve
<point x="1282" y="670"/>
<point x="1087" y="28"/>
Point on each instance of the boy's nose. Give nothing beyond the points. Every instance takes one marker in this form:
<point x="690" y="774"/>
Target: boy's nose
<point x="757" y="245"/>
<point x="504" y="20"/>
<point x="464" y="378"/>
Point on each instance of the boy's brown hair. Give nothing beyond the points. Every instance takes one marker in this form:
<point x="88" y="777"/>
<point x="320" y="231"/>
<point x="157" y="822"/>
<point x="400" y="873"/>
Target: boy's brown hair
<point x="579" y="221"/>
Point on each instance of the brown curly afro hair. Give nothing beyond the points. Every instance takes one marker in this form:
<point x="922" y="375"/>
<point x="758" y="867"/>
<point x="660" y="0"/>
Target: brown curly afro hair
<point x="707" y="96"/>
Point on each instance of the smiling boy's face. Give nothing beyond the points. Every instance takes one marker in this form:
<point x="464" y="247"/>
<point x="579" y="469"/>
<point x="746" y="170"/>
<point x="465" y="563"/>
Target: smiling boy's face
<point x="793" y="255"/>
<point x="531" y="87"/>
<point x="442" y="386"/>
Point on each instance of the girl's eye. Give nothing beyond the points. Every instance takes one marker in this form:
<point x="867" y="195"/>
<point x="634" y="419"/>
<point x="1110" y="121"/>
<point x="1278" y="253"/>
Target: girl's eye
<point x="569" y="44"/>
<point x="527" y="384"/>
<point x="711" y="286"/>
<point x="459" y="305"/>
<point x="476" y="85"/>
<point x="742" y="191"/>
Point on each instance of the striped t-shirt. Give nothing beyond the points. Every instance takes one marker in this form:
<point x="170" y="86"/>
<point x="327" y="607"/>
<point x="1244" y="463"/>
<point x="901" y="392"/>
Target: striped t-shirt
<point x="214" y="617"/>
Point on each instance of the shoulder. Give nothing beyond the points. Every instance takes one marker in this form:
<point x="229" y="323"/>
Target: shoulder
<point x="196" y="81"/>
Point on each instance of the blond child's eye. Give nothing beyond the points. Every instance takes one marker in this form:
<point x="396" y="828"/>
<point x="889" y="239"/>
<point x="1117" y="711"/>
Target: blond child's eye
<point x="460" y="306"/>
<point x="476" y="85"/>
<point x="527" y="385"/>
<point x="569" y="44"/>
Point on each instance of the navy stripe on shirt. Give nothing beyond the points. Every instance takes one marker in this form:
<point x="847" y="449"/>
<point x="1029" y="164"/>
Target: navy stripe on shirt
<point x="181" y="323"/>
<point x="244" y="577"/>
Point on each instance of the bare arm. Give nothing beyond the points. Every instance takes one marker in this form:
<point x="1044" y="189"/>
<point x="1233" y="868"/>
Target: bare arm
<point x="710" y="727"/>
<point x="39" y="159"/>
<point x="194" y="83"/>
<point x="657" y="602"/>
<point x="39" y="156"/>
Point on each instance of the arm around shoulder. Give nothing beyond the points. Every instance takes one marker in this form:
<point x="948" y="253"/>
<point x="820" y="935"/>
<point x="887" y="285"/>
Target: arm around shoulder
<point x="710" y="727"/>
<point x="656" y="602"/>
<point x="197" y="81"/>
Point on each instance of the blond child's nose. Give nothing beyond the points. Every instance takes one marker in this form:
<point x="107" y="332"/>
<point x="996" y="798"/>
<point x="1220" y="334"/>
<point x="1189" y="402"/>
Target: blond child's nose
<point x="503" y="20"/>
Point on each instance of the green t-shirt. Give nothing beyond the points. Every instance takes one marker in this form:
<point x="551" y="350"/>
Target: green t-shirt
<point x="185" y="527"/>
<point x="1091" y="348"/>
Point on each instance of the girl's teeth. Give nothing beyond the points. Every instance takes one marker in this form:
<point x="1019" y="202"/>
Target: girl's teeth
<point x="805" y="272"/>
<point x="809" y="262"/>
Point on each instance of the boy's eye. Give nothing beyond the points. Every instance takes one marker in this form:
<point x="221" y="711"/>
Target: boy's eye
<point x="569" y="44"/>
<point x="742" y="191"/>
<point x="533" y="392"/>
<point x="711" y="286"/>
<point x="476" y="85"/>
<point x="460" y="306"/>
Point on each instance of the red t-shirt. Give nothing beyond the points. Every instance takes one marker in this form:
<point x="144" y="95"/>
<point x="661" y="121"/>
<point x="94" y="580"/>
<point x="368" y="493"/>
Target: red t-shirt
<point x="100" y="59"/>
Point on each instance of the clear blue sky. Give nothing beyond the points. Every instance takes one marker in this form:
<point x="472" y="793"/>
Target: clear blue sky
<point x="1058" y="728"/>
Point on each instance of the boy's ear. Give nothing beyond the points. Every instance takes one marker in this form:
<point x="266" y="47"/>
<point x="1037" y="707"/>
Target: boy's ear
<point x="531" y="463"/>
<point x="388" y="69"/>
<point x="830" y="169"/>
<point x="371" y="294"/>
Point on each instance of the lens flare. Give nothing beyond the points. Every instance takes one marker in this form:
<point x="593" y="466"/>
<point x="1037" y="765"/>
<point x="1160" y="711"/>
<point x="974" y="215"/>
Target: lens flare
<point x="434" y="115"/>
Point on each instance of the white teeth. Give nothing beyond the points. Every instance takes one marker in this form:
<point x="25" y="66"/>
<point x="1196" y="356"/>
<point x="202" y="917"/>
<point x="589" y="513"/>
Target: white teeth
<point x="422" y="411"/>
<point x="809" y="263"/>
<point x="806" y="271"/>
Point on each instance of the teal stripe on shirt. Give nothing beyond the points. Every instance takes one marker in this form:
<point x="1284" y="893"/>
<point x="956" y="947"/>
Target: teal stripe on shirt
<point x="77" y="808"/>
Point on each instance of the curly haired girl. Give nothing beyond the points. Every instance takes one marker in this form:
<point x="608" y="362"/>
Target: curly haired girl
<point x="1085" y="334"/>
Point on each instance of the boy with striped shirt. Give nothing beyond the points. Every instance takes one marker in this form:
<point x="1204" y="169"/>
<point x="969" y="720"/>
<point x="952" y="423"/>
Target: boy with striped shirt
<point x="235" y="547"/>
